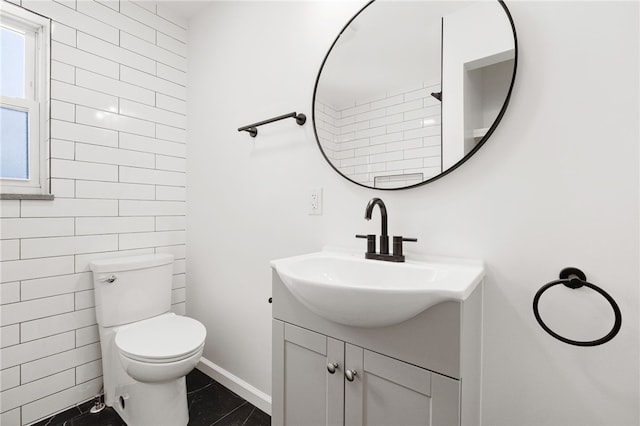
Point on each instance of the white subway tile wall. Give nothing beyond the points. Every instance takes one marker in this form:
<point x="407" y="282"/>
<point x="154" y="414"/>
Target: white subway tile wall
<point x="118" y="134"/>
<point x="384" y="141"/>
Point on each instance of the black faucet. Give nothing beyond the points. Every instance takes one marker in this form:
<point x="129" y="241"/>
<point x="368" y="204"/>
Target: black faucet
<point x="384" y="237"/>
<point x="397" y="255"/>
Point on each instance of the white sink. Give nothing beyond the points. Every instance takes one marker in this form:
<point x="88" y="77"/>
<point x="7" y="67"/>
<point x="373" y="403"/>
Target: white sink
<point x="351" y="290"/>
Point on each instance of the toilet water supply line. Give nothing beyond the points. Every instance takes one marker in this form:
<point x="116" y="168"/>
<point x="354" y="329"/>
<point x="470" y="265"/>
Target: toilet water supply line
<point x="98" y="404"/>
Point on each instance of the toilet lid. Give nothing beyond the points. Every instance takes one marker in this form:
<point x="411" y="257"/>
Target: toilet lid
<point x="165" y="338"/>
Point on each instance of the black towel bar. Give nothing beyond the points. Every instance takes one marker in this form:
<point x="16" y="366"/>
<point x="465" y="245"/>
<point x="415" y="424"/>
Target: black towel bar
<point x="251" y="128"/>
<point x="575" y="278"/>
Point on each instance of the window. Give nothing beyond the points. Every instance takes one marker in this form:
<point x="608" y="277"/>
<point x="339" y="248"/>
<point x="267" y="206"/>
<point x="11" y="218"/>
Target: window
<point x="24" y="103"/>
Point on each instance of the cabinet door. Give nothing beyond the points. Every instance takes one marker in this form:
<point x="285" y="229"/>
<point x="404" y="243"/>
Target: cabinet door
<point x="385" y="391"/>
<point x="304" y="391"/>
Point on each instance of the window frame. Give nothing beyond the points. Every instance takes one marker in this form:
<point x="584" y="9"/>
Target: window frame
<point x="36" y="102"/>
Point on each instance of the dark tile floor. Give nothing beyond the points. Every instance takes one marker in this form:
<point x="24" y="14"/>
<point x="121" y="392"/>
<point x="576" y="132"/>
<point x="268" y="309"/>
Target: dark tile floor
<point x="210" y="404"/>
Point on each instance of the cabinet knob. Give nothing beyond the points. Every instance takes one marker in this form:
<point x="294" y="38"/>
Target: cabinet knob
<point x="331" y="367"/>
<point x="350" y="375"/>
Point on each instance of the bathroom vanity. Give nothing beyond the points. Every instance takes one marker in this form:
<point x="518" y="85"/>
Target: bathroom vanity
<point x="422" y="371"/>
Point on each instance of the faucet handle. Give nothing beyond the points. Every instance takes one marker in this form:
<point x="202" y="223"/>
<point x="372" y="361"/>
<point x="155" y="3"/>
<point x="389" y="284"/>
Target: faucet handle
<point x="371" y="242"/>
<point x="397" y="244"/>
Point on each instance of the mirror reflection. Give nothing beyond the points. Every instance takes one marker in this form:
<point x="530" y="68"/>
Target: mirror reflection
<point x="411" y="89"/>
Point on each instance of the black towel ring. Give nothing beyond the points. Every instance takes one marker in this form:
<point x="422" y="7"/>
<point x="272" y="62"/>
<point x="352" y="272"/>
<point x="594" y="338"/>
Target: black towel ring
<point x="575" y="278"/>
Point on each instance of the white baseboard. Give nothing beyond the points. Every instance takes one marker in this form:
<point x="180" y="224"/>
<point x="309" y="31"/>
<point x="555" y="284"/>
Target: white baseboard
<point x="236" y="384"/>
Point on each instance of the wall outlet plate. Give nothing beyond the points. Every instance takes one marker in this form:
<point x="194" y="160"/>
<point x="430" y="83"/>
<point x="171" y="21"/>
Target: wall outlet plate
<point x="315" y="201"/>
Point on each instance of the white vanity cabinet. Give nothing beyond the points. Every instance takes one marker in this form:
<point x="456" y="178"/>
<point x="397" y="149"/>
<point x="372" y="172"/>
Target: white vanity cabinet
<point x="424" y="371"/>
<point x="318" y="385"/>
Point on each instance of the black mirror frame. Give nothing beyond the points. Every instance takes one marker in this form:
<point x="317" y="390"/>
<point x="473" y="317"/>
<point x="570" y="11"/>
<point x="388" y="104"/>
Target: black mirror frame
<point x="463" y="159"/>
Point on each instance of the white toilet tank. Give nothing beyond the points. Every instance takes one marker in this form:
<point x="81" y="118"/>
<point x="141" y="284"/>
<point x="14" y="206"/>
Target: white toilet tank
<point x="129" y="289"/>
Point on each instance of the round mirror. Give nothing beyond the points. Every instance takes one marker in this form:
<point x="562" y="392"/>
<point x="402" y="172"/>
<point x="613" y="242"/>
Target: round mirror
<point x="409" y="90"/>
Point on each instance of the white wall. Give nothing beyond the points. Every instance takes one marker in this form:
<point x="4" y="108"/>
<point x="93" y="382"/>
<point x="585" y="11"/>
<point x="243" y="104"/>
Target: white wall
<point x="118" y="171"/>
<point x="556" y="185"/>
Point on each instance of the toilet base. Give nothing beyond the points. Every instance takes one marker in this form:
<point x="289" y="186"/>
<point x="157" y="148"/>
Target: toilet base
<point x="157" y="404"/>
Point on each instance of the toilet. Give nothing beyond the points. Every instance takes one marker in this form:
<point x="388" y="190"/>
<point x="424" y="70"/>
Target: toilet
<point x="146" y="350"/>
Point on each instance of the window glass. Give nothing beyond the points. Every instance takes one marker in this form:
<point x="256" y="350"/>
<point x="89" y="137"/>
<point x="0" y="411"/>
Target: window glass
<point x="14" y="151"/>
<point x="12" y="63"/>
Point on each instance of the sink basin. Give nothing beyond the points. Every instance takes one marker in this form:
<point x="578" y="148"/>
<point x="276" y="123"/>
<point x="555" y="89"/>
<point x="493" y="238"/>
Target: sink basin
<point x="349" y="289"/>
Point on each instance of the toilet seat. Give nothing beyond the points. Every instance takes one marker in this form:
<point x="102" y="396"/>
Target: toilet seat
<point x="162" y="339"/>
